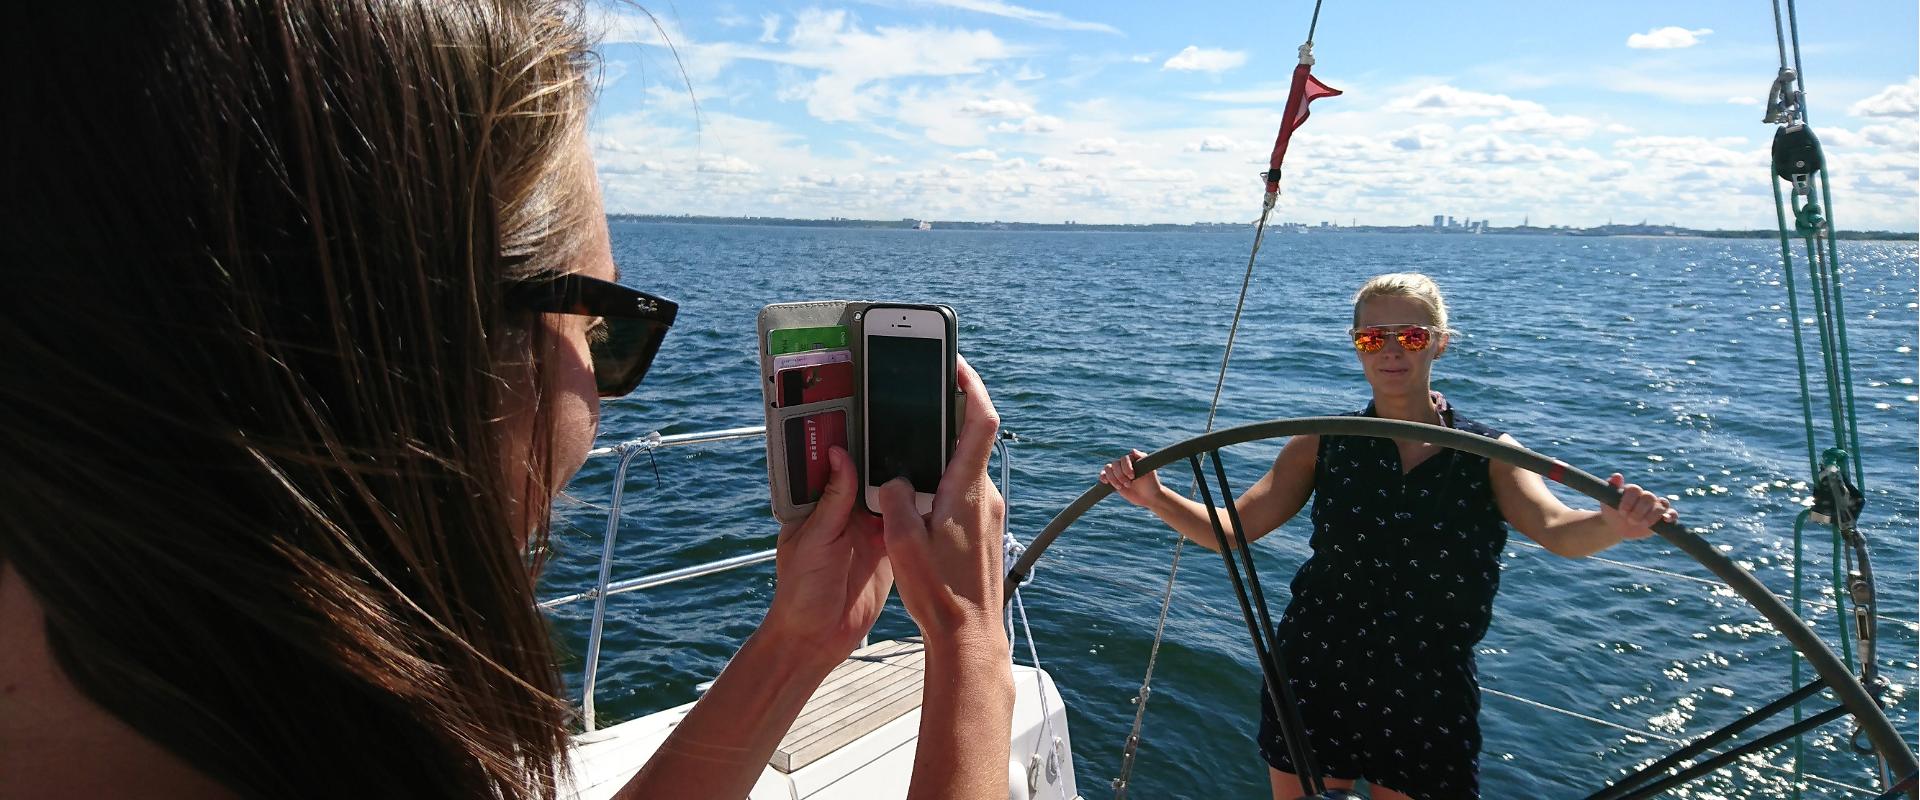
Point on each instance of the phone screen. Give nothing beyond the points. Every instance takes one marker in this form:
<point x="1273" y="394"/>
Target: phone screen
<point x="904" y="411"/>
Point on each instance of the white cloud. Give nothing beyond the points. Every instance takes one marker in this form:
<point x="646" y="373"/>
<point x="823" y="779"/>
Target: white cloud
<point x="1215" y="144"/>
<point x="1743" y="101"/>
<point x="850" y="60"/>
<point x="728" y="165"/>
<point x="977" y="155"/>
<point x="1057" y="165"/>
<point x="1667" y="38"/>
<point x="769" y="28"/>
<point x="1422" y="137"/>
<point x="1143" y="174"/>
<point x="995" y="107"/>
<point x="884" y="159"/>
<point x="1269" y="95"/>
<point x="1143" y="58"/>
<point x="610" y="73"/>
<point x="1448" y="101"/>
<point x="1543" y="122"/>
<point x="1044" y="19"/>
<point x="1028" y="73"/>
<point x="1199" y="59"/>
<point x="1900" y="100"/>
<point x="1035" y="124"/>
<point x="1105" y="146"/>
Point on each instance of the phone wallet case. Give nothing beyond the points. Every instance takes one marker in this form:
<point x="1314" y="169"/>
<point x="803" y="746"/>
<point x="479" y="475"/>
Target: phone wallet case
<point x="799" y="434"/>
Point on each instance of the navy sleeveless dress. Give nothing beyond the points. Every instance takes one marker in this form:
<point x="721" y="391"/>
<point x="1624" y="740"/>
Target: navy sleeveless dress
<point x="1378" y="638"/>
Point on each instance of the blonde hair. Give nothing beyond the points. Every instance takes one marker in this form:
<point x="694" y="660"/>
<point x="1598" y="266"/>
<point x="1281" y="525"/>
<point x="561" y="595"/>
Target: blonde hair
<point x="1404" y="284"/>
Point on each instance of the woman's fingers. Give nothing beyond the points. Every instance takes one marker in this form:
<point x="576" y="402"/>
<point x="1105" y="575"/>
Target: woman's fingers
<point x="903" y="529"/>
<point x="1640" y="507"/>
<point x="836" y="503"/>
<point x="977" y="429"/>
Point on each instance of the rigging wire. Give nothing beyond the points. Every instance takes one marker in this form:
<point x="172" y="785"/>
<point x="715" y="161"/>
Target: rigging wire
<point x="1130" y="750"/>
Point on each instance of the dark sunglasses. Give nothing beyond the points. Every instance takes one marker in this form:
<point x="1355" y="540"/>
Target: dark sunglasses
<point x="623" y="343"/>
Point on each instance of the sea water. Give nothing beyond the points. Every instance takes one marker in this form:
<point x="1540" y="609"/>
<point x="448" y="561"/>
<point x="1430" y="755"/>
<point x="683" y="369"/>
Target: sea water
<point x="1668" y="359"/>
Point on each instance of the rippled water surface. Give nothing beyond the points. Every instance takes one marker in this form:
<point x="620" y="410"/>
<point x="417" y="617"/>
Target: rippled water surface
<point x="1671" y="360"/>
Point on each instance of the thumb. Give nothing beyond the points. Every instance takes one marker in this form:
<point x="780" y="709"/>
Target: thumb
<point x="905" y="532"/>
<point x="836" y="501"/>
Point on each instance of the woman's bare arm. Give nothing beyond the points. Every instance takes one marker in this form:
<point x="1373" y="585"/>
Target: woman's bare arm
<point x="1532" y="509"/>
<point x="1264" y="507"/>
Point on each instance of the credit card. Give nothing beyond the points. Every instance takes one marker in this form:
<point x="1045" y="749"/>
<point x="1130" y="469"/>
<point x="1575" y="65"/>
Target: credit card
<point x="801" y="385"/>
<point x="811" y="358"/>
<point x="808" y="439"/>
<point x="798" y="340"/>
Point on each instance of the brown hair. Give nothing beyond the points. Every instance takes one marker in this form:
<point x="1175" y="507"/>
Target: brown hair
<point x="255" y="367"/>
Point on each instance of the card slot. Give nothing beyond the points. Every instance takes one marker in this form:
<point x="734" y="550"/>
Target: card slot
<point x="784" y="414"/>
<point x="801" y="467"/>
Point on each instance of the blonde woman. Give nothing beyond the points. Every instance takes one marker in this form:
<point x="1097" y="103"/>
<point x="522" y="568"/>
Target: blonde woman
<point x="1378" y="638"/>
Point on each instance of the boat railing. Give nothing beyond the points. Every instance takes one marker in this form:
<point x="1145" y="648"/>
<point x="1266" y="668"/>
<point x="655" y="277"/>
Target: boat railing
<point x="604" y="586"/>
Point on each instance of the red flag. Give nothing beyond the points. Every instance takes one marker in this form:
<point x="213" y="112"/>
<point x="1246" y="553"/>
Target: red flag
<point x="1306" y="89"/>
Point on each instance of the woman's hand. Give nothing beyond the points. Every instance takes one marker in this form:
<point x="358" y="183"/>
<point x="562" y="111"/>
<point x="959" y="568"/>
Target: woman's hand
<point x="949" y="562"/>
<point x="1639" y="510"/>
<point x="832" y="575"/>
<point x="1139" y="489"/>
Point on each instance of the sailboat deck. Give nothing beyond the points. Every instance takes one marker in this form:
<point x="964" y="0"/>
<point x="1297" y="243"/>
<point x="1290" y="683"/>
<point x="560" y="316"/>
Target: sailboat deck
<point x="874" y="686"/>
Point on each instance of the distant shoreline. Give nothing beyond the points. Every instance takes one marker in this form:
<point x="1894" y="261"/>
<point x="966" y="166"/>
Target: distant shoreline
<point x="1657" y="231"/>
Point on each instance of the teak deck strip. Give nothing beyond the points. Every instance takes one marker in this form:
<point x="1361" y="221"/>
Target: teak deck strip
<point x="873" y="687"/>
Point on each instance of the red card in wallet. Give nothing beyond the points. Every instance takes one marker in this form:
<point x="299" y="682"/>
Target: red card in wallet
<point x="808" y="439"/>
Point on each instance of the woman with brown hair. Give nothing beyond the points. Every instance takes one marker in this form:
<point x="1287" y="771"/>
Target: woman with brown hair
<point x="310" y="306"/>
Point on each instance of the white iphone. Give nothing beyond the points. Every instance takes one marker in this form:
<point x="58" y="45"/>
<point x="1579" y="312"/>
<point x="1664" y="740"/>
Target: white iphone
<point x="907" y="373"/>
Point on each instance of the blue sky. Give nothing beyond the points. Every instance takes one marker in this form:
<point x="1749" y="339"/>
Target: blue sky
<point x="1558" y="113"/>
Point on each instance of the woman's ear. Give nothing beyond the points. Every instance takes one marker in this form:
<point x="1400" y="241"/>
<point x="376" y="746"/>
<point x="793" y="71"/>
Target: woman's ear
<point x="1441" y="348"/>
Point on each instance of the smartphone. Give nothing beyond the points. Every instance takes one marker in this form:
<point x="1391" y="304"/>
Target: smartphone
<point x="908" y="371"/>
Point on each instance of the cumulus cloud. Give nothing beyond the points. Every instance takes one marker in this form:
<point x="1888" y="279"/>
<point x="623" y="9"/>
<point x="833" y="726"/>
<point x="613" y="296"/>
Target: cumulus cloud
<point x="1097" y="147"/>
<point x="1901" y="100"/>
<point x="1143" y="174"/>
<point x="995" y="107"/>
<point x="1057" y="165"/>
<point x="1667" y="38"/>
<point x="728" y="165"/>
<point x="977" y="155"/>
<point x="1543" y="122"/>
<point x="1447" y="101"/>
<point x="1213" y="144"/>
<point x="1204" y="59"/>
<point x="769" y="28"/>
<point x="849" y="60"/>
<point x="1035" y="124"/>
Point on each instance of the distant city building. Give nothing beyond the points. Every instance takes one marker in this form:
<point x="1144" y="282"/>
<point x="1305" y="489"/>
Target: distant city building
<point x="1439" y="221"/>
<point x="1451" y="223"/>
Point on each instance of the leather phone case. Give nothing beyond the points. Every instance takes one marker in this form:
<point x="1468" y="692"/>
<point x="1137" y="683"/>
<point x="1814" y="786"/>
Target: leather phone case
<point x="787" y="439"/>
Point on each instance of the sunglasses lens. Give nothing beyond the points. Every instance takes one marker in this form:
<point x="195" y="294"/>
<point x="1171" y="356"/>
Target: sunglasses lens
<point x="1414" y="339"/>
<point x="1369" y="340"/>
<point x="621" y="358"/>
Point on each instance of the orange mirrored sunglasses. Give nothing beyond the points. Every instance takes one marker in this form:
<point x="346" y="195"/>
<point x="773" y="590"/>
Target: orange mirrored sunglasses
<point x="1413" y="338"/>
